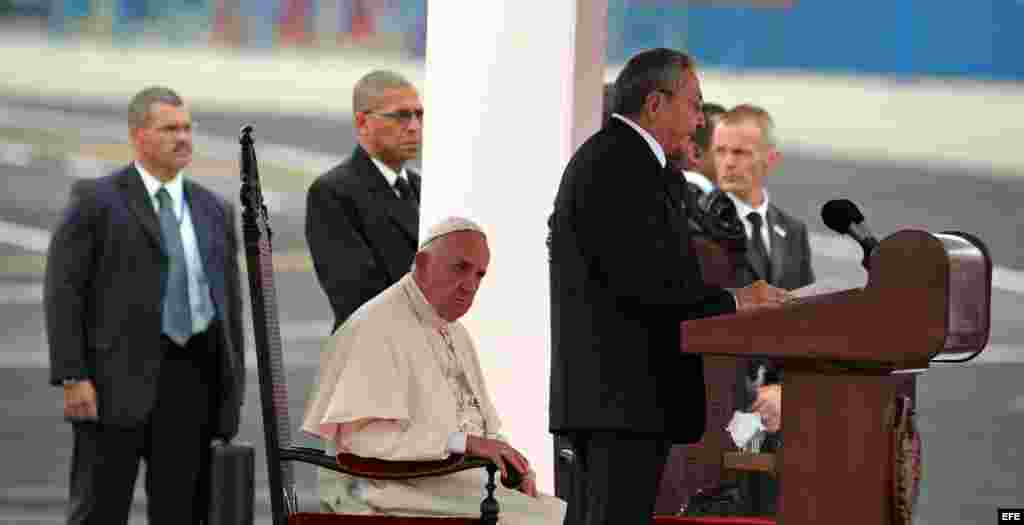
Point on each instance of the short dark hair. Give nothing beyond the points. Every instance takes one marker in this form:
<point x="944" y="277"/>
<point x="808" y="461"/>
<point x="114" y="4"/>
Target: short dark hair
<point x="702" y="136"/>
<point x="646" y="72"/>
<point x="139" y="107"/>
<point x="608" y="104"/>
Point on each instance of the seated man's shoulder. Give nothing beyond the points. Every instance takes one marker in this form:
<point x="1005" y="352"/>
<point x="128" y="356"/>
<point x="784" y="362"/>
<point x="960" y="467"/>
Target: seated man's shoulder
<point x="384" y="315"/>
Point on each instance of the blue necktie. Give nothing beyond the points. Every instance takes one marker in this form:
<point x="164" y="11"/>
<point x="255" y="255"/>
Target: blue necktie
<point x="177" y="316"/>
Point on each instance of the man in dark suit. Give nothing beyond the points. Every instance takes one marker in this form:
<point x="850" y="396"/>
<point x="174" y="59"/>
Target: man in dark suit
<point x="699" y="149"/>
<point x="143" y="317"/>
<point x="745" y="153"/>
<point x="778" y="249"/>
<point x="362" y="216"/>
<point x="623" y="277"/>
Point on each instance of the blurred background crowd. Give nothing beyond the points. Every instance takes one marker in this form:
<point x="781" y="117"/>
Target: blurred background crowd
<point x="913" y="37"/>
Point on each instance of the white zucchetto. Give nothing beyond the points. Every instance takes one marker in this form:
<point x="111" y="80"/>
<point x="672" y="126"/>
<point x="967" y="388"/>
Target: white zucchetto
<point x="450" y="225"/>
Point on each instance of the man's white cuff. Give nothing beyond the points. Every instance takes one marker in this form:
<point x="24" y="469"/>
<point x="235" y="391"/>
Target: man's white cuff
<point x="735" y="298"/>
<point x="457" y="443"/>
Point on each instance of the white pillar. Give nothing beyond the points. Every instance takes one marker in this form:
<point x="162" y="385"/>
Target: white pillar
<point x="511" y="89"/>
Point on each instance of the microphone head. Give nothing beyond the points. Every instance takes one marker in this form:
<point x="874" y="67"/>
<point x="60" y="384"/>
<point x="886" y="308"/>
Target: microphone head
<point x="838" y="214"/>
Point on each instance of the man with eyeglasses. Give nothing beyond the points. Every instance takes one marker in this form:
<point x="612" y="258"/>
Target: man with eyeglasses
<point x="362" y="216"/>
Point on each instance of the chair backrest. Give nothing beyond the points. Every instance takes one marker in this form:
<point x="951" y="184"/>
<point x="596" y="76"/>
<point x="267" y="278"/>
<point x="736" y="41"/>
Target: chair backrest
<point x="273" y="387"/>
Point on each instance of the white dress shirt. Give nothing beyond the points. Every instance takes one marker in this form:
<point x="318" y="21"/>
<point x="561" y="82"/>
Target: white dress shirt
<point x="743" y="209"/>
<point x="198" y="286"/>
<point x="656" y="148"/>
<point x="699" y="180"/>
<point x="391" y="176"/>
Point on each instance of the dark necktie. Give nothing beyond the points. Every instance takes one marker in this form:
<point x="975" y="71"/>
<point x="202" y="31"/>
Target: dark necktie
<point x="404" y="189"/>
<point x="177" y="313"/>
<point x="759" y="253"/>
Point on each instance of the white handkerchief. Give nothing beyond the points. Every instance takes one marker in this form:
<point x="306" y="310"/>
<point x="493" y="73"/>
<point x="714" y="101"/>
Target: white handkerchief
<point x="743" y="427"/>
<point x="780" y="231"/>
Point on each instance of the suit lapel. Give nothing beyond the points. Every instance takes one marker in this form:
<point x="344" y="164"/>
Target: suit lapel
<point x="204" y="215"/>
<point x="779" y="249"/>
<point x="755" y="265"/>
<point x="134" y="191"/>
<point x="201" y="221"/>
<point x="405" y="214"/>
<point x="416" y="181"/>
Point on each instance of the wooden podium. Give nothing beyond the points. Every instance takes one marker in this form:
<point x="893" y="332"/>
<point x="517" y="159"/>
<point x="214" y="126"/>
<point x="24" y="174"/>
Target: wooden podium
<point x="927" y="298"/>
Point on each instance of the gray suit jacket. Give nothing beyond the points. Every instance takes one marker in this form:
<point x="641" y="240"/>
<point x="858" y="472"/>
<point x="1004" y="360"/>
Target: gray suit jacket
<point x="105" y="275"/>
<point x="790" y="253"/>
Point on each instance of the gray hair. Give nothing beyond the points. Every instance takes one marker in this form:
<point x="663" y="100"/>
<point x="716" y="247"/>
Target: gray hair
<point x="753" y="114"/>
<point x="647" y="72"/>
<point x="369" y="88"/>
<point x="141" y="104"/>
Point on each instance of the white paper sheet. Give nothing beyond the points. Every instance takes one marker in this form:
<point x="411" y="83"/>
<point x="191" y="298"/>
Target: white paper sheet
<point x="823" y="286"/>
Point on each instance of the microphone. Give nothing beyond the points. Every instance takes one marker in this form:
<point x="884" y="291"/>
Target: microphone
<point x="842" y="216"/>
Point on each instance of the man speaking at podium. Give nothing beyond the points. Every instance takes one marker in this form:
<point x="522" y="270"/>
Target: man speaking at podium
<point x="623" y="277"/>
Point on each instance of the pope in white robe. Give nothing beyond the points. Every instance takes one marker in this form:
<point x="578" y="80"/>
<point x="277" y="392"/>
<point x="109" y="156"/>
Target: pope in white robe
<point x="400" y="380"/>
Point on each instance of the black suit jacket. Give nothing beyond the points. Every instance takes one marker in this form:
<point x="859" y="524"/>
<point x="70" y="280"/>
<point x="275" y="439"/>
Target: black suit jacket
<point x="361" y="235"/>
<point x="623" y="277"/>
<point x="105" y="275"/>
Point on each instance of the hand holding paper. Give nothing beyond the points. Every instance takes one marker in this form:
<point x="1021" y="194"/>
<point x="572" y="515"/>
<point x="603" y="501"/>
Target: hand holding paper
<point x="822" y="287"/>
<point x="744" y="427"/>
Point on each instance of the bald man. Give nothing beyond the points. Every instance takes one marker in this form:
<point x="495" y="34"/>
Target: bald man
<point x="400" y="380"/>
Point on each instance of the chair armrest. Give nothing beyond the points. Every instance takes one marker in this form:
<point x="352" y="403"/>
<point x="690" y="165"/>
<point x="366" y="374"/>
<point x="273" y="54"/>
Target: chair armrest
<point x="372" y="468"/>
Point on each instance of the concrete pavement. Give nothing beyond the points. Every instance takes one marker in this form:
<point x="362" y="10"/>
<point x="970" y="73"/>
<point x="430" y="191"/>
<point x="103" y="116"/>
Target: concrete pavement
<point x="970" y="415"/>
<point x="919" y="121"/>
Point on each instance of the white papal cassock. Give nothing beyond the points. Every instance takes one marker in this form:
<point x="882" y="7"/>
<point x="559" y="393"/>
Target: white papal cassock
<point x="398" y="382"/>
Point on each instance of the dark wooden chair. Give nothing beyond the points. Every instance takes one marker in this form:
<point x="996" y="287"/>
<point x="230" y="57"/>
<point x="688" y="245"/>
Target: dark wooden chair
<point x="274" y="394"/>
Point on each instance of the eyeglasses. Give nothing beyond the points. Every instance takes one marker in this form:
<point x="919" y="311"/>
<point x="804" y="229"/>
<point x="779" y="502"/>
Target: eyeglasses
<point x="402" y="116"/>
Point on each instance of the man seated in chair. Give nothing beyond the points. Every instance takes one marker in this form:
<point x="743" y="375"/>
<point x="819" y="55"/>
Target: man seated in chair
<point x="400" y="380"/>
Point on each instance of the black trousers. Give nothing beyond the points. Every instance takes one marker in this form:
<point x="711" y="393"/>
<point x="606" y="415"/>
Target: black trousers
<point x="174" y="441"/>
<point x="615" y="477"/>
